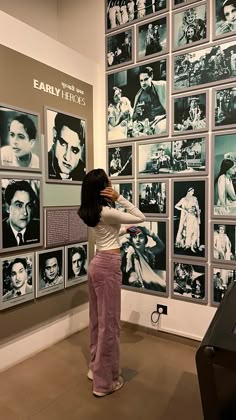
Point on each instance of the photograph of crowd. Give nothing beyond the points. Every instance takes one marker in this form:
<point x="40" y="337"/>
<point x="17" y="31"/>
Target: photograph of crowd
<point x="49" y="271"/>
<point x="190" y="26"/>
<point x="136" y="100"/>
<point x="221" y="278"/>
<point x="189" y="282"/>
<point x="225" y="107"/>
<point x="152" y="38"/>
<point x="185" y="156"/>
<point x="189" y="113"/>
<point x="144" y="258"/>
<point x="76" y="264"/>
<point x="124" y="12"/>
<point x="120" y="49"/>
<point x="120" y="161"/>
<point x="179" y="3"/>
<point x="153" y="198"/>
<point x="224" y="18"/>
<point x="223" y="241"/>
<point x="210" y="66"/>
<point x="126" y="189"/>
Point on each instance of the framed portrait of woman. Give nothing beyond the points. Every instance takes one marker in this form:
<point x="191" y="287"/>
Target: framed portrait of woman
<point x="152" y="38"/>
<point x="223" y="240"/>
<point x="120" y="49"/>
<point x="224" y="18"/>
<point x="153" y="197"/>
<point x="189" y="232"/>
<point x="224" y="115"/>
<point x="189" y="281"/>
<point x="220" y="279"/>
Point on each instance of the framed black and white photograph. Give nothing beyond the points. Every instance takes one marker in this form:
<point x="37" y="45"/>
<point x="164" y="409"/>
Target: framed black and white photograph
<point x="189" y="281"/>
<point x="65" y="147"/>
<point x="152" y="38"/>
<point x="223" y="242"/>
<point x="137" y="102"/>
<point x="120" y="49"/>
<point x="224" y="18"/>
<point x="224" y="105"/>
<point x="224" y="176"/>
<point x="180" y="3"/>
<point x="126" y="12"/>
<point x="185" y="156"/>
<point x="153" y="198"/>
<point x="145" y="258"/>
<point x="50" y="275"/>
<point x="221" y="277"/>
<point x="189" y="219"/>
<point x="76" y="264"/>
<point x="22" y="221"/>
<point x="203" y="66"/>
<point x="17" y="280"/>
<point x="20" y="139"/>
<point x="126" y="189"/>
<point x="190" y="26"/>
<point x="120" y="161"/>
<point x="189" y="113"/>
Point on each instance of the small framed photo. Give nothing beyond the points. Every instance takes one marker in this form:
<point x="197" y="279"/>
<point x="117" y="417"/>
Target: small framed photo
<point x="120" y="161"/>
<point x="224" y="115"/>
<point x="20" y="139"/>
<point x="17" y="280"/>
<point x="179" y="3"/>
<point x="189" y="281"/>
<point x="223" y="249"/>
<point x="190" y="26"/>
<point x="224" y="23"/>
<point x="76" y="264"/>
<point x="152" y="38"/>
<point x="66" y="152"/>
<point x="186" y="156"/>
<point x="144" y="262"/>
<point x="189" y="219"/>
<point x="120" y="49"/>
<point x="49" y="271"/>
<point x="126" y="189"/>
<point x="153" y="197"/>
<point x="189" y="113"/>
<point x="221" y="277"/>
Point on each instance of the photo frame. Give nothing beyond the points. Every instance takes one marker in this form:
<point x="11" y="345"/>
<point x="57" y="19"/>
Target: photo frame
<point x="152" y="38"/>
<point x="189" y="212"/>
<point x="182" y="156"/>
<point x="126" y="189"/>
<point x="50" y="273"/>
<point x="20" y="139"/>
<point x="223" y="19"/>
<point x="76" y="263"/>
<point x="223" y="242"/>
<point x="220" y="278"/>
<point x="65" y="157"/>
<point x="120" y="161"/>
<point x="130" y="111"/>
<point x="224" y="115"/>
<point x="154" y="279"/>
<point x="120" y="48"/>
<point x="189" y="281"/>
<point x="180" y="3"/>
<point x="17" y="280"/>
<point x="153" y="197"/>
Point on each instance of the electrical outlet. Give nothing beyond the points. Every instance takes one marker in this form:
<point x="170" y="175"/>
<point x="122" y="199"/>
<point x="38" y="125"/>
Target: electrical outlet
<point x="163" y="308"/>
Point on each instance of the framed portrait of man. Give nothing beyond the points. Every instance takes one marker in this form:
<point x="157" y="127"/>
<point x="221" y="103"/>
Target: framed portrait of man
<point x="66" y="136"/>
<point x="189" y="281"/>
<point x="17" y="280"/>
<point x="137" y="105"/>
<point x="50" y="275"/>
<point x="224" y="115"/>
<point x="153" y="197"/>
<point x="223" y="237"/>
<point x="224" y="18"/>
<point x="180" y="3"/>
<point x="220" y="279"/>
<point x="76" y="263"/>
<point x="20" y="139"/>
<point x="120" y="160"/>
<point x="120" y="48"/>
<point x="126" y="189"/>
<point x="152" y="38"/>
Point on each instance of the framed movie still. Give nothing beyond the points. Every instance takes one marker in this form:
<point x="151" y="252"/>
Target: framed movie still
<point x="224" y="115"/>
<point x="120" y="49"/>
<point x="65" y="147"/>
<point x="145" y="258"/>
<point x="224" y="18"/>
<point x="189" y="232"/>
<point x="126" y="189"/>
<point x="153" y="197"/>
<point x="189" y="281"/>
<point x="49" y="271"/>
<point x="120" y="161"/>
<point x="179" y="3"/>
<point x="189" y="113"/>
<point x="209" y="66"/>
<point x="152" y="38"/>
<point x="223" y="249"/>
<point x="190" y="26"/>
<point x="76" y="264"/>
<point x="186" y="156"/>
<point x="17" y="280"/>
<point x="223" y="176"/>
<point x="137" y="102"/>
<point x="220" y="277"/>
<point x="126" y="12"/>
<point x="20" y="139"/>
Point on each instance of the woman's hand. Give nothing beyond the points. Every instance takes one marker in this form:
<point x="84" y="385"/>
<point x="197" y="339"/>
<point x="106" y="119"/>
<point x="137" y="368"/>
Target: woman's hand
<point x="110" y="194"/>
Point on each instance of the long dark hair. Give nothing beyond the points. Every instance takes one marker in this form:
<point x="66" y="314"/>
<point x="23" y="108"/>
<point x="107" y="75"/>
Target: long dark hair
<point x="225" y="165"/>
<point x="91" y="201"/>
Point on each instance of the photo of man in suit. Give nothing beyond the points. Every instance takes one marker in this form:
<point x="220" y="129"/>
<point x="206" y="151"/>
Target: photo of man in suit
<point x="17" y="272"/>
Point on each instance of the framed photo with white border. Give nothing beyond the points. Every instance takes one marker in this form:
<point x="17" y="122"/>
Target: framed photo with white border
<point x="120" y="161"/>
<point x="223" y="242"/>
<point x="120" y="48"/>
<point x="50" y="276"/>
<point x="180" y="3"/>
<point x="76" y="263"/>
<point x="223" y="100"/>
<point x="152" y="38"/>
<point x="153" y="197"/>
<point x="126" y="189"/>
<point x="220" y="278"/>
<point x="223" y="19"/>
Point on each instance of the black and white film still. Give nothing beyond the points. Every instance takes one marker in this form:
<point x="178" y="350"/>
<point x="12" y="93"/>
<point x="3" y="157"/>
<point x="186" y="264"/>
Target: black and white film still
<point x="120" y="49"/>
<point x="153" y="197"/>
<point x="220" y="279"/>
<point x="180" y="3"/>
<point x="76" y="264"/>
<point x="224" y="107"/>
<point x="49" y="271"/>
<point x="189" y="281"/>
<point x="152" y="38"/>
<point x="223" y="242"/>
<point x="126" y="189"/>
<point x="120" y="161"/>
<point x="189" y="113"/>
<point x="224" y="18"/>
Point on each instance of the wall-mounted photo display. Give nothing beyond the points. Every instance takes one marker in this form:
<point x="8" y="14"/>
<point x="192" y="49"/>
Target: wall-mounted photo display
<point x="49" y="271"/>
<point x="125" y="12"/>
<point x="137" y="101"/>
<point x="189" y="281"/>
<point x="209" y="66"/>
<point x="220" y="277"/>
<point x="17" y="280"/>
<point x="22" y="221"/>
<point x="145" y="258"/>
<point x="20" y="139"/>
<point x="189" y="113"/>
<point x="224" y="176"/>
<point x="120" y="161"/>
<point x="179" y="3"/>
<point x="65" y="147"/>
<point x="126" y="189"/>
<point x="189" y="218"/>
<point x="153" y="197"/>
<point x="223" y="242"/>
<point x="190" y="26"/>
<point x="152" y="38"/>
<point x="120" y="49"/>
<point x="185" y="156"/>
<point x="76" y="264"/>
<point x="224" y="100"/>
<point x="224" y="18"/>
